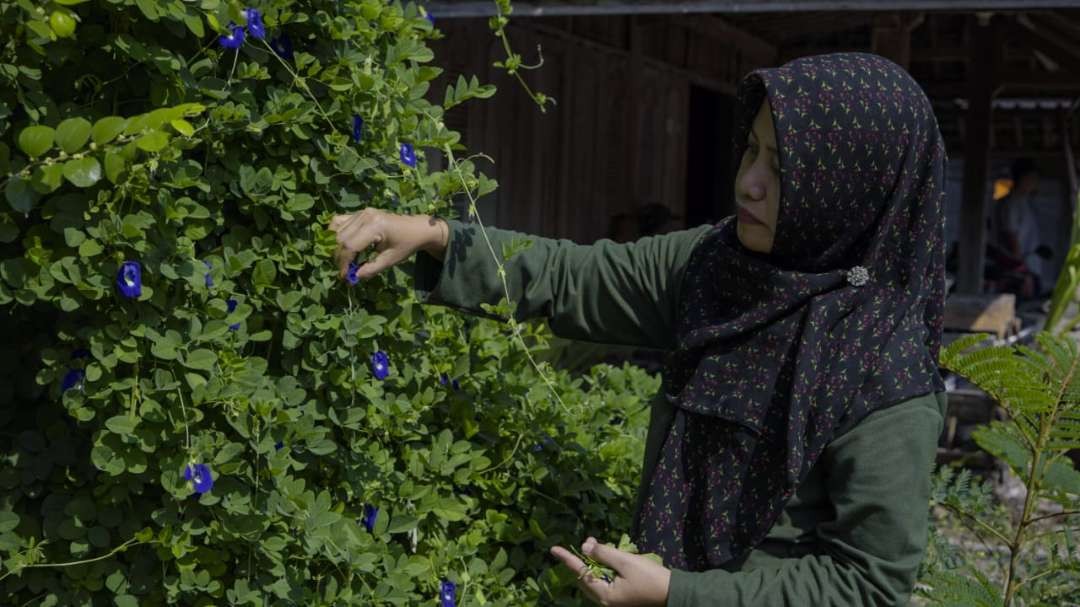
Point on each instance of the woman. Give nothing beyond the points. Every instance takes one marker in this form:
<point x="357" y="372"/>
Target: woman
<point x="788" y="454"/>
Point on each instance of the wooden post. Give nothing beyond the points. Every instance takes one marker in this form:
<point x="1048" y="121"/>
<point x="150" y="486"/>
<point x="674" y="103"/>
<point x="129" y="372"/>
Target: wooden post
<point x="891" y="37"/>
<point x="981" y="63"/>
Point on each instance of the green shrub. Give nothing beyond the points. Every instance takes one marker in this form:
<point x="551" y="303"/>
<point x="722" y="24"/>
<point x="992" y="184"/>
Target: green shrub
<point x="129" y="134"/>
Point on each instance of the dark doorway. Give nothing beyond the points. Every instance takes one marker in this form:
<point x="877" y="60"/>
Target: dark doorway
<point x="710" y="172"/>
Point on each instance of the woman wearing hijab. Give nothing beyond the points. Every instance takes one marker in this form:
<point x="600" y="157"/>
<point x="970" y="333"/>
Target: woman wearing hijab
<point x="789" y="450"/>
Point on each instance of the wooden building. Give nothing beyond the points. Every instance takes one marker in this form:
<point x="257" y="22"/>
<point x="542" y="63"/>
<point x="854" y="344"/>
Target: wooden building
<point x="644" y="99"/>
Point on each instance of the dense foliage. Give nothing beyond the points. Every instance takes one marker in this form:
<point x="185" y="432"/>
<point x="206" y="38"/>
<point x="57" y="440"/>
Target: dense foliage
<point x="194" y="408"/>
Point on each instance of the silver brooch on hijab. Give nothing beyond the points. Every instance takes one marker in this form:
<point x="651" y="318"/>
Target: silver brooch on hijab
<point x="858" y="276"/>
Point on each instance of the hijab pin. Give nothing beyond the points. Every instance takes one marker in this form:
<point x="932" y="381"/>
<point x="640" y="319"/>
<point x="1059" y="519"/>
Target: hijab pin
<point x="858" y="276"/>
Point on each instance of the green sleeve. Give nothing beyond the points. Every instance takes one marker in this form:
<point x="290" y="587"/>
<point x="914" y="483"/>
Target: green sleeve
<point x="604" y="292"/>
<point x="878" y="480"/>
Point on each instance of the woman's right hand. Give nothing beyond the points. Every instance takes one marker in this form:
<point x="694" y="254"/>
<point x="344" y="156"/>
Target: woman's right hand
<point x="395" y="238"/>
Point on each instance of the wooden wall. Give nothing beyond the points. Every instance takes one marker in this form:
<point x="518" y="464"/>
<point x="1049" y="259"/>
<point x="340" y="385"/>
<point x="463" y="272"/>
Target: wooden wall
<point x="617" y="137"/>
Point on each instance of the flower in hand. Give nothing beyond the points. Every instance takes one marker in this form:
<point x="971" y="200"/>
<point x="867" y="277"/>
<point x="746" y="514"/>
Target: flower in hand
<point x="638" y="580"/>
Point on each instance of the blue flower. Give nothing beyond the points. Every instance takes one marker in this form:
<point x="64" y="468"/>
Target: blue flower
<point x="234" y="39"/>
<point x="279" y="445"/>
<point x="351" y="275"/>
<point x="408" y="154"/>
<point x="230" y="305"/>
<point x="443" y="379"/>
<point x="357" y="128"/>
<point x="202" y="480"/>
<point x="255" y="25"/>
<point x="282" y="45"/>
<point x="129" y="279"/>
<point x="448" y="594"/>
<point x="380" y="365"/>
<point x="371" y="513"/>
<point x="209" y="278"/>
<point x="72" y="379"/>
<point x="430" y="18"/>
<point x="455" y="385"/>
<point x="80" y="353"/>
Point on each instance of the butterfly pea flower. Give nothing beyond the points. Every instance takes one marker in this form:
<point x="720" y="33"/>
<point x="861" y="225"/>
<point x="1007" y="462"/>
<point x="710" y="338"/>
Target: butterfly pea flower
<point x="357" y="128"/>
<point x="129" y="279"/>
<point x="380" y="365"/>
<point x="202" y="480"/>
<point x="371" y="513"/>
<point x="230" y="305"/>
<point x="408" y="154"/>
<point x="351" y="275"/>
<point x="444" y="380"/>
<point x="447" y="594"/>
<point x="282" y="45"/>
<point x="278" y="446"/>
<point x="255" y="25"/>
<point x="208" y="277"/>
<point x="72" y="379"/>
<point x="234" y="39"/>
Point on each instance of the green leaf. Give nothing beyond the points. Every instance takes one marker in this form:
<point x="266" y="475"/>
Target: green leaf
<point x="121" y="424"/>
<point x="48" y="178"/>
<point x="114" y="166"/>
<point x="83" y="172"/>
<point x="107" y="129"/>
<point x="90" y="248"/>
<point x="20" y="195"/>
<point x="154" y="141"/>
<point x="36" y="140"/>
<point x="201" y="359"/>
<point x="264" y="273"/>
<point x="183" y="127"/>
<point x="70" y="2"/>
<point x="8" y="521"/>
<point x="72" y="134"/>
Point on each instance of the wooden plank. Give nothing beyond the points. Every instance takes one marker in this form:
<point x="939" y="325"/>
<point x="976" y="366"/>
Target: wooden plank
<point x="891" y="37"/>
<point x="980" y="313"/>
<point x="976" y="156"/>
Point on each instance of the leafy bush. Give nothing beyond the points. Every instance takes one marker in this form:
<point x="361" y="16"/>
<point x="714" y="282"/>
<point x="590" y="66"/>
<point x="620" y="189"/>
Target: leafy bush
<point x="173" y="323"/>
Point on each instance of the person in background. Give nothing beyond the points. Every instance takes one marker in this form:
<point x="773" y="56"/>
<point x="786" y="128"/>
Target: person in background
<point x="1014" y="250"/>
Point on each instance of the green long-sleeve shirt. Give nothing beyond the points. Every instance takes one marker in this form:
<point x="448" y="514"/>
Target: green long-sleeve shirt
<point x="856" y="530"/>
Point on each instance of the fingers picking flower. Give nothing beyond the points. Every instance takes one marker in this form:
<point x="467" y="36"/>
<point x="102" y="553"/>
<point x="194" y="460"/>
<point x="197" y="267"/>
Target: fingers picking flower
<point x="351" y="275"/>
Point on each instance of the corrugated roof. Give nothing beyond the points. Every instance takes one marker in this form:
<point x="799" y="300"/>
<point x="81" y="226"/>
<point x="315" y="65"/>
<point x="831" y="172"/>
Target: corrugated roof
<point x="536" y="8"/>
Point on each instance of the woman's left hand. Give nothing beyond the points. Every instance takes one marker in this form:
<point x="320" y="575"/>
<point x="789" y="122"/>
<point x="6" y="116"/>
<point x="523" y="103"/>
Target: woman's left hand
<point x="639" y="581"/>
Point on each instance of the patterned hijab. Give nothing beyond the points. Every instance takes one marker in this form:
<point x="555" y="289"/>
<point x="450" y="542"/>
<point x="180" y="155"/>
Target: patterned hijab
<point x="780" y="353"/>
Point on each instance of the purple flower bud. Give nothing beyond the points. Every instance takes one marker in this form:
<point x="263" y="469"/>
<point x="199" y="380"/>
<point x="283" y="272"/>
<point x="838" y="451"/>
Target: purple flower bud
<point x="255" y="25"/>
<point x="72" y="379"/>
<point x="278" y="446"/>
<point x="202" y="480"/>
<point x="357" y="128"/>
<point x="234" y="39"/>
<point x="371" y="514"/>
<point x="129" y="279"/>
<point x="447" y="594"/>
<point x="408" y="154"/>
<point x="282" y="45"/>
<point x="443" y="379"/>
<point x="380" y="365"/>
<point x="230" y="305"/>
<point x="209" y="278"/>
<point x="351" y="275"/>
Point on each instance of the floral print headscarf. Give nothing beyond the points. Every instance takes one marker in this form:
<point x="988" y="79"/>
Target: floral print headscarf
<point x="780" y="353"/>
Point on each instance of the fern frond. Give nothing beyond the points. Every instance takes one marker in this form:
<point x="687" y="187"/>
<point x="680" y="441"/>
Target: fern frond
<point x="954" y="589"/>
